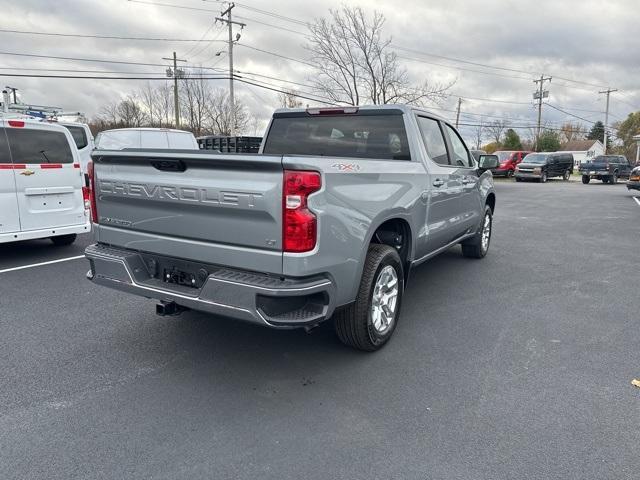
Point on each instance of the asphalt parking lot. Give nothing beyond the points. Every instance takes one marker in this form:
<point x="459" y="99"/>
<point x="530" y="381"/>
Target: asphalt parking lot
<point x="515" y="366"/>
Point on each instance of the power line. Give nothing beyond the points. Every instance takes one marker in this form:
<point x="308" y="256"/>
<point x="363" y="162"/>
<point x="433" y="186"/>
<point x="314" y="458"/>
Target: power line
<point x="275" y="54"/>
<point x="184" y="7"/>
<point x="106" y="37"/>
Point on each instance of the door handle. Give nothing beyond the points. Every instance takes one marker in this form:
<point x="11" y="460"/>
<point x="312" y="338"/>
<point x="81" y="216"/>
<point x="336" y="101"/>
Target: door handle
<point x="438" y="183"/>
<point x="467" y="180"/>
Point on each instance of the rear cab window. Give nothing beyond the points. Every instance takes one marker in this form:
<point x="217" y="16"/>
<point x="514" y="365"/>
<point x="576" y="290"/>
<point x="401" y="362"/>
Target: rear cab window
<point x="182" y="141"/>
<point x="367" y="134"/>
<point x="33" y="146"/>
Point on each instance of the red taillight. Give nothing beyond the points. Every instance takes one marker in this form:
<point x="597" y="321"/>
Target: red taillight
<point x="92" y="193"/>
<point x="299" y="228"/>
<point x="332" y="111"/>
<point x="16" y="123"/>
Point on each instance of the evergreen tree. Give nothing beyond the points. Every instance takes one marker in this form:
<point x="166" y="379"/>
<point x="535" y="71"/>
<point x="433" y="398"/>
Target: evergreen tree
<point x="597" y="133"/>
<point x="549" y="141"/>
<point x="512" y="140"/>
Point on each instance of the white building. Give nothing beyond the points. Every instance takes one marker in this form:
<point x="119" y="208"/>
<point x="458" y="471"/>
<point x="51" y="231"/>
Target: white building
<point x="583" y="150"/>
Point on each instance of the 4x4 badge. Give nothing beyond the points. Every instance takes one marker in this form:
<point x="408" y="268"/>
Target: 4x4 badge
<point x="27" y="172"/>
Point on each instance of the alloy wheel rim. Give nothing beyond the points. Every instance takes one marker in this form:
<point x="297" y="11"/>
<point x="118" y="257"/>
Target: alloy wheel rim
<point x="486" y="232"/>
<point x="384" y="300"/>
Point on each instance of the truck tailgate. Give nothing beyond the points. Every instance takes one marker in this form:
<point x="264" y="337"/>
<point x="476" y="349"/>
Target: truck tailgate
<point x="212" y="208"/>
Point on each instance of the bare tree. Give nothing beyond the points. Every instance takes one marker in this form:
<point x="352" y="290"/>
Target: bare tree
<point x="495" y="129"/>
<point x="148" y="102"/>
<point x="289" y="99"/>
<point x="164" y="104"/>
<point x="108" y="114"/>
<point x="572" y="131"/>
<point x="195" y="100"/>
<point x="478" y="131"/>
<point x="220" y="114"/>
<point x="355" y="63"/>
<point x="131" y="113"/>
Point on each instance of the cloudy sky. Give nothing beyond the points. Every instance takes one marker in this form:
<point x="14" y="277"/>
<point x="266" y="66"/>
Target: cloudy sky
<point x="493" y="49"/>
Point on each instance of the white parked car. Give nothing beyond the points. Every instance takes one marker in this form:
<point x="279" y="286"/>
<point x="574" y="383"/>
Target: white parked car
<point x="154" y="138"/>
<point x="83" y="138"/>
<point x="41" y="183"/>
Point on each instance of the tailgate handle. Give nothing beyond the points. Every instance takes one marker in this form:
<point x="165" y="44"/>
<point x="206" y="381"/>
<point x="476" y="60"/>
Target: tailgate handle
<point x="169" y="165"/>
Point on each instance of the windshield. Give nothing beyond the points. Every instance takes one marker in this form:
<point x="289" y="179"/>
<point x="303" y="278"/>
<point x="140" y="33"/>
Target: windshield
<point x="535" y="158"/>
<point x="503" y="156"/>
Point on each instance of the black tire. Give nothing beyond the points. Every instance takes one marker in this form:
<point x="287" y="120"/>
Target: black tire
<point x="613" y="179"/>
<point x="586" y="179"/>
<point x="354" y="323"/>
<point x="567" y="175"/>
<point x="518" y="179"/>
<point x="543" y="177"/>
<point x="509" y="173"/>
<point x="473" y="248"/>
<point x="62" y="240"/>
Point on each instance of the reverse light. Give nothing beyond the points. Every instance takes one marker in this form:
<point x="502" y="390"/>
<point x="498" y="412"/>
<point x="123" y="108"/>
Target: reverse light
<point x="299" y="226"/>
<point x="92" y="192"/>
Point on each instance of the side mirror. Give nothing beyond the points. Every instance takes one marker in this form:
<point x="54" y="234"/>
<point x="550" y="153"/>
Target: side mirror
<point x="487" y="162"/>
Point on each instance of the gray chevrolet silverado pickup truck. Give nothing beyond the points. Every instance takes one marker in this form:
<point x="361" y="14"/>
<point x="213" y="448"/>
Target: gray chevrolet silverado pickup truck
<point x="325" y="222"/>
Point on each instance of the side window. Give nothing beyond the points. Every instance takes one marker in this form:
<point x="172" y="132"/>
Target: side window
<point x="433" y="140"/>
<point x="38" y="146"/>
<point x="79" y="136"/>
<point x="4" y="148"/>
<point x="460" y="152"/>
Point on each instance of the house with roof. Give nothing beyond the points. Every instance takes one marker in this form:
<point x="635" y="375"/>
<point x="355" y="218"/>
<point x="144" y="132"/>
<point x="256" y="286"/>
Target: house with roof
<point x="583" y="150"/>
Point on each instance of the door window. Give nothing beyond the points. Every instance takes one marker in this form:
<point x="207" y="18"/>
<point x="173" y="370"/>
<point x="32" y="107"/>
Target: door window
<point x="461" y="157"/>
<point x="38" y="146"/>
<point x="4" y="148"/>
<point x="433" y="140"/>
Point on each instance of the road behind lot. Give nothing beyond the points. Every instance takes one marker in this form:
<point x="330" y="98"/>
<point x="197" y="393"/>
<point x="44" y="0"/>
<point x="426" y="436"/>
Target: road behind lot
<point x="515" y="366"/>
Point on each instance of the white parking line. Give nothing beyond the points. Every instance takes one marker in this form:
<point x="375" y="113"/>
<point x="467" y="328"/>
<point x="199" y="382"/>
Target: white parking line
<point x="22" y="267"/>
<point x="637" y="200"/>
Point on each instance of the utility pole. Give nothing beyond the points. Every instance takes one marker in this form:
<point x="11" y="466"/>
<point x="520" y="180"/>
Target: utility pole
<point x="539" y="95"/>
<point x="230" y="23"/>
<point x="606" y="116"/>
<point x="458" y="111"/>
<point x="176" y="73"/>
<point x="13" y="90"/>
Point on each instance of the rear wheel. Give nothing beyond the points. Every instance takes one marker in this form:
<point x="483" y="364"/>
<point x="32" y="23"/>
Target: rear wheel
<point x="368" y="323"/>
<point x="61" y="240"/>
<point x="566" y="175"/>
<point x="518" y="179"/>
<point x="586" y="179"/>
<point x="509" y="173"/>
<point x="478" y="245"/>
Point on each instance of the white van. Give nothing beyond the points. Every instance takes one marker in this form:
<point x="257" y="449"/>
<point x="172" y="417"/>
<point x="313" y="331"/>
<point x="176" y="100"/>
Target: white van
<point x="83" y="138"/>
<point x="154" y="138"/>
<point x="41" y="184"/>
